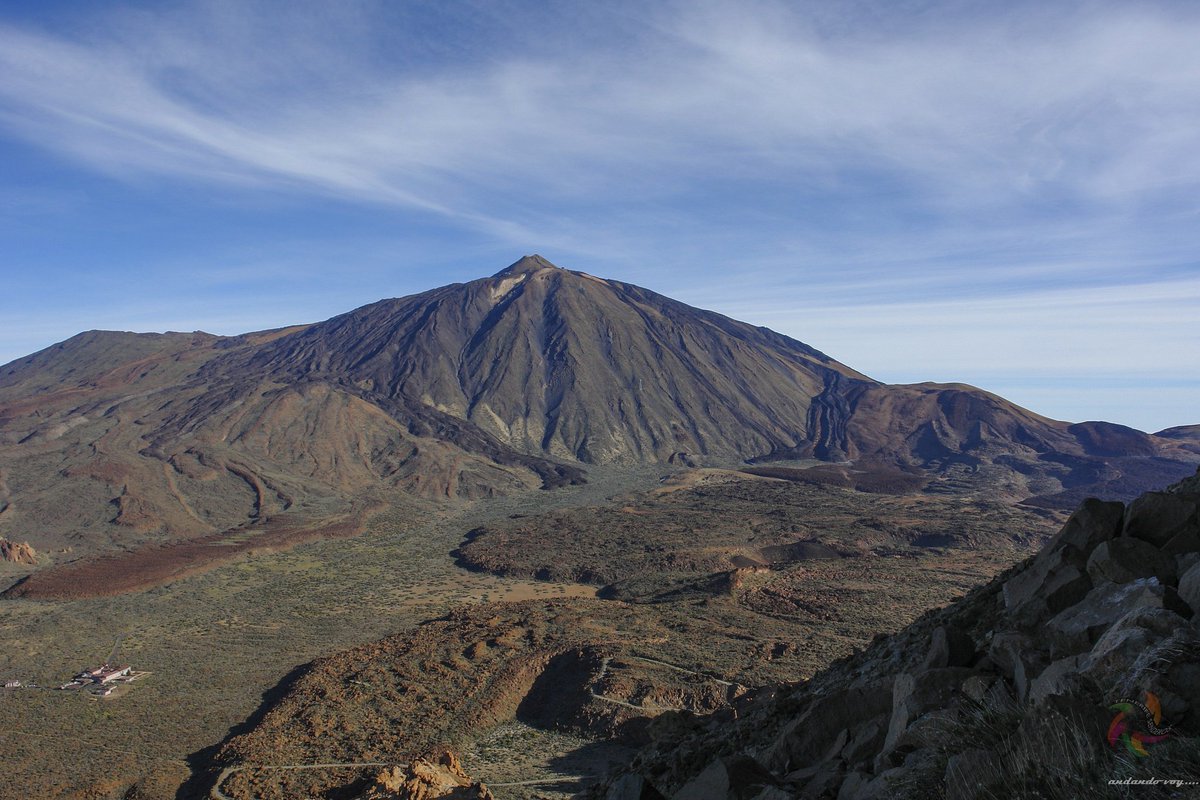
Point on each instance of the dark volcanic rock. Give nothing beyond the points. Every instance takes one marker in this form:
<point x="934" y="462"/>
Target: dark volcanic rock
<point x="1158" y="517"/>
<point x="1126" y="559"/>
<point x="950" y="647"/>
<point x="1189" y="588"/>
<point x="1075" y="629"/>
<point x="1057" y="577"/>
<point x="1029" y="719"/>
<point x="734" y="778"/>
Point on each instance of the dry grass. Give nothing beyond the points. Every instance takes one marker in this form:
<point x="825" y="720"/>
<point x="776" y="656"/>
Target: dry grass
<point x="217" y="641"/>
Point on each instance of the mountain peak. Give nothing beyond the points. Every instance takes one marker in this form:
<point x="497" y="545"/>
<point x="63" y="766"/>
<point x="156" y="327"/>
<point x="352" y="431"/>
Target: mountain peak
<point x="527" y="264"/>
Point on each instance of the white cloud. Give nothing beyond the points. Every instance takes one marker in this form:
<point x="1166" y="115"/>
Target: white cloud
<point x="983" y="111"/>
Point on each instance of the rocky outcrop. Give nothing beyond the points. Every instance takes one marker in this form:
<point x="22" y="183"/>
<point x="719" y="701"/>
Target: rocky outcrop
<point x="17" y="552"/>
<point x="436" y="777"/>
<point x="1079" y="667"/>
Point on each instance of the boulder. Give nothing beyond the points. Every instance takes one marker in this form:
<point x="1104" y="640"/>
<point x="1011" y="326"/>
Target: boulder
<point x="632" y="787"/>
<point x="17" y="552"/>
<point x="1158" y="517"/>
<point x="1185" y="561"/>
<point x="949" y="646"/>
<point x="1095" y="521"/>
<point x="1126" y="640"/>
<point x="1166" y="666"/>
<point x="976" y="686"/>
<point x="1018" y="659"/>
<point x="736" y="777"/>
<point x="931" y="729"/>
<point x="817" y="781"/>
<point x="437" y="777"/>
<point x="854" y="785"/>
<point x="1045" y="588"/>
<point x="1189" y="588"/>
<point x="1184" y="678"/>
<point x="1061" y="677"/>
<point x="1055" y="579"/>
<point x="1079" y="627"/>
<point x="917" y="693"/>
<point x="807" y="739"/>
<point x="773" y="793"/>
<point x="920" y="772"/>
<point x="866" y="742"/>
<point x="1125" y="559"/>
<point x="1186" y="541"/>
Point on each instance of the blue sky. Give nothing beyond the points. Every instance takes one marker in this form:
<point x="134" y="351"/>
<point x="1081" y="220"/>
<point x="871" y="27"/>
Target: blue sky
<point x="1003" y="194"/>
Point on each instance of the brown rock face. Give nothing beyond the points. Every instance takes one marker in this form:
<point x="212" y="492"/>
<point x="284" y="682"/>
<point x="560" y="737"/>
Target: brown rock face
<point x="17" y="553"/>
<point x="438" y="777"/>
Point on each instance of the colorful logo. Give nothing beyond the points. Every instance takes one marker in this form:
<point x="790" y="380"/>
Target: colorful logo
<point x="1137" y="724"/>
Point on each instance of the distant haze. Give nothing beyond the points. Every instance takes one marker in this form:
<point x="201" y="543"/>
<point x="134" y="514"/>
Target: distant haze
<point x="997" y="194"/>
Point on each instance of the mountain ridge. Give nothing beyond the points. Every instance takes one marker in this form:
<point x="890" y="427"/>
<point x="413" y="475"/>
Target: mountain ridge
<point x="503" y="384"/>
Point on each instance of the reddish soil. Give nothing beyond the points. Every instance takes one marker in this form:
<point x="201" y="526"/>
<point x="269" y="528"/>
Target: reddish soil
<point x="147" y="567"/>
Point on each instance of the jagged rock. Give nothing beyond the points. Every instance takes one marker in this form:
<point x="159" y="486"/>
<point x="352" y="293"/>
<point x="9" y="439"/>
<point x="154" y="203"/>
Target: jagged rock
<point x="1061" y="677"/>
<point x="1093" y="618"/>
<point x="773" y="793"/>
<point x="819" y="780"/>
<point x="807" y="738"/>
<point x="732" y="778"/>
<point x="1186" y="541"/>
<point x="1056" y="578"/>
<point x="1095" y="521"/>
<point x="1189" y="588"/>
<point x="1126" y="640"/>
<point x="949" y="647"/>
<point x="976" y="687"/>
<point x="854" y="786"/>
<point x="1018" y="658"/>
<point x="1077" y="628"/>
<point x="931" y="729"/>
<point x="1125" y="559"/>
<point x="837" y="745"/>
<point x="921" y="767"/>
<point x="1162" y="667"/>
<point x="632" y="787"/>
<point x="1045" y="589"/>
<point x="1185" y="561"/>
<point x="1158" y="517"/>
<point x="427" y="779"/>
<point x="974" y="774"/>
<point x="914" y="694"/>
<point x="17" y="552"/>
<point x="867" y="740"/>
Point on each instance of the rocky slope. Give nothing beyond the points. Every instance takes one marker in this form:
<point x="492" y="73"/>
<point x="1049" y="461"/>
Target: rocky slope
<point x="503" y="384"/>
<point x="1075" y="674"/>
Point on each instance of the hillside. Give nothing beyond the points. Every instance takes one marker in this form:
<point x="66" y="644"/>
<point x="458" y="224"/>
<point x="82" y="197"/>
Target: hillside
<point x="1062" y="678"/>
<point x="121" y="442"/>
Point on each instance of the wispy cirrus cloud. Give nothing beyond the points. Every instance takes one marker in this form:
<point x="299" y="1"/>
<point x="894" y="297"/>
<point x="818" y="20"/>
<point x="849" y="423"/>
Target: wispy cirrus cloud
<point x="887" y="160"/>
<point x="980" y="111"/>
